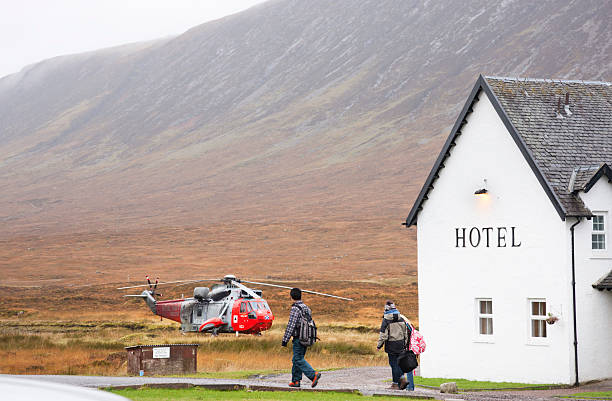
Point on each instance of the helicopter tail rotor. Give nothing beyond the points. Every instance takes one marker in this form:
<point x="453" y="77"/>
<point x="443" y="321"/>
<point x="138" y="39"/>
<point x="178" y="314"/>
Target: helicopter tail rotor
<point x="147" y="295"/>
<point x="150" y="292"/>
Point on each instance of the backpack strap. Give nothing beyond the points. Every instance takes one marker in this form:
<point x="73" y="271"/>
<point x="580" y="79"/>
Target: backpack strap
<point x="304" y="311"/>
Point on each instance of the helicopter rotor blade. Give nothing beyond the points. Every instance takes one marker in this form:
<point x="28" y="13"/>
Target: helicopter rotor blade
<point x="171" y="282"/>
<point x="310" y="292"/>
<point x="245" y="289"/>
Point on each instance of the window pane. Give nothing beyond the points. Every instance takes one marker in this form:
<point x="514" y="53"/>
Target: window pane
<point x="486" y="307"/>
<point x="598" y="241"/>
<point x="598" y="223"/>
<point x="538" y="328"/>
<point x="538" y="308"/>
<point x="535" y="328"/>
<point x="486" y="326"/>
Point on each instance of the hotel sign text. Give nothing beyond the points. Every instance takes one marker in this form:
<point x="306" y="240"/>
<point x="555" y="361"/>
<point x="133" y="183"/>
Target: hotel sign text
<point x="496" y="237"/>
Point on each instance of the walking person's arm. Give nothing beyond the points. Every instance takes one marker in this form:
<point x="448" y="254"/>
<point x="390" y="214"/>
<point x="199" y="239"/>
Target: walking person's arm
<point x="293" y="318"/>
<point x="384" y="335"/>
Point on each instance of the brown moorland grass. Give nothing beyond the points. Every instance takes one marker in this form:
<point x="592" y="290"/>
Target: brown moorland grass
<point x="60" y="313"/>
<point x="99" y="350"/>
<point x="374" y="250"/>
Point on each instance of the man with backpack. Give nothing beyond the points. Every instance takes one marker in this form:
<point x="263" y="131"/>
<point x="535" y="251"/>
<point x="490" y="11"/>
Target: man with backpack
<point x="394" y="336"/>
<point x="301" y="327"/>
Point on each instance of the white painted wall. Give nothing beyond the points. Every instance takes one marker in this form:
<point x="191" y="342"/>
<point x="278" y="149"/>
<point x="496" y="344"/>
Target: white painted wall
<point x="594" y="308"/>
<point x="451" y="278"/>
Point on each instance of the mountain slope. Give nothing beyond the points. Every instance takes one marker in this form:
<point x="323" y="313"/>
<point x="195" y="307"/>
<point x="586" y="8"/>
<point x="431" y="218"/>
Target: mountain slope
<point x="288" y="110"/>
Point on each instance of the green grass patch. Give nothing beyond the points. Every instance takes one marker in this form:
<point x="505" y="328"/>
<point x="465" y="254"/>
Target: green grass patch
<point x="157" y="394"/>
<point x="596" y="395"/>
<point x="463" y="384"/>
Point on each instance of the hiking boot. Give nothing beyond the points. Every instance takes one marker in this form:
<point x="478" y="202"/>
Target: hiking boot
<point x="315" y="379"/>
<point x="294" y="384"/>
<point x="403" y="383"/>
<point x="393" y="386"/>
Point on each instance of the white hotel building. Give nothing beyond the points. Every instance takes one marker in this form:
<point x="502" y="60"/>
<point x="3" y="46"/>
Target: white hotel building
<point x="514" y="228"/>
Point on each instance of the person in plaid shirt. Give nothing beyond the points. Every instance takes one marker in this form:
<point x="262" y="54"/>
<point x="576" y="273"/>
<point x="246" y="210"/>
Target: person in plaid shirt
<point x="300" y="366"/>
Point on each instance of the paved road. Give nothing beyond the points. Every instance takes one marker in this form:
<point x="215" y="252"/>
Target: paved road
<point x="369" y="381"/>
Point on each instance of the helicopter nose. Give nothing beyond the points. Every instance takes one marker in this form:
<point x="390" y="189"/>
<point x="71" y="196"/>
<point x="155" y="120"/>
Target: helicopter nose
<point x="265" y="317"/>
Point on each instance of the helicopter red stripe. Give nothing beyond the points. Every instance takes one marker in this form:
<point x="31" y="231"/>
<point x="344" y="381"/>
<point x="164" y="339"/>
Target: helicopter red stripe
<point x="215" y="321"/>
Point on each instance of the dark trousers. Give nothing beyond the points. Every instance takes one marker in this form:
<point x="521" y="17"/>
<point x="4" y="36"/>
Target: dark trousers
<point x="396" y="371"/>
<point x="299" y="363"/>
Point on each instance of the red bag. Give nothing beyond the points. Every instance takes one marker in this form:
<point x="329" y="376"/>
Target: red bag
<point x="417" y="342"/>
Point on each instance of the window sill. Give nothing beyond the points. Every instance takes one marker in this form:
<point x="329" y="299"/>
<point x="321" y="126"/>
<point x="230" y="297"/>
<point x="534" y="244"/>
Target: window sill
<point x="484" y="340"/>
<point x="538" y="343"/>
<point x="600" y="256"/>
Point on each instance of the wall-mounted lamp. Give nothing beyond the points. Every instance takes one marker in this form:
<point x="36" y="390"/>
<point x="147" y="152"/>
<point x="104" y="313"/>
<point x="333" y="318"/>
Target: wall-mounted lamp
<point x="483" y="190"/>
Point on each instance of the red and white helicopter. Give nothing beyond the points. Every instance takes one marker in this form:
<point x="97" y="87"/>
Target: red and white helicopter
<point x="230" y="307"/>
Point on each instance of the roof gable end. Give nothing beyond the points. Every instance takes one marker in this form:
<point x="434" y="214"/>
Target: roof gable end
<point x="480" y="87"/>
<point x="603" y="170"/>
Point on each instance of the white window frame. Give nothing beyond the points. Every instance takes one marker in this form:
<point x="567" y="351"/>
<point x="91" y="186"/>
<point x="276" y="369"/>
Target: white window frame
<point x="531" y="340"/>
<point x="603" y="232"/>
<point x="478" y="336"/>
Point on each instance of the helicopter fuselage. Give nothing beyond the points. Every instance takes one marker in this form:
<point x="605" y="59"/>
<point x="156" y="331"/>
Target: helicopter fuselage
<point x="225" y="309"/>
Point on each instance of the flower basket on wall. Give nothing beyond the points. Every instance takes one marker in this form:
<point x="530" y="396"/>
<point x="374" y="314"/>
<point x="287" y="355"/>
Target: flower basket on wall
<point x="551" y="319"/>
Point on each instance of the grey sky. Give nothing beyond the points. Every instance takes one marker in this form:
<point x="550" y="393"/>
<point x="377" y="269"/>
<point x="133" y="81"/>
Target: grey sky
<point x="34" y="30"/>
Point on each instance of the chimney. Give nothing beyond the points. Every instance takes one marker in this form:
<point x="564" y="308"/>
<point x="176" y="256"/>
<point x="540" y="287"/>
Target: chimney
<point x="567" y="108"/>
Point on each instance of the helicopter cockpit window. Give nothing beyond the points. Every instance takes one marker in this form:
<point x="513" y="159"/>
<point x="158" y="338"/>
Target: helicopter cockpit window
<point x="250" y="308"/>
<point x="243" y="307"/>
<point x="256" y="305"/>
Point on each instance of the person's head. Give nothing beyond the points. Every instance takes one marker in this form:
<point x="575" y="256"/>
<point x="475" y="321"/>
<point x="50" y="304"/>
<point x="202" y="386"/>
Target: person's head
<point x="296" y="294"/>
<point x="389" y="305"/>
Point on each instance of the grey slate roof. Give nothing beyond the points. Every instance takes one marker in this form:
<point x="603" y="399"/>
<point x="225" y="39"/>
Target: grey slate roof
<point x="604" y="283"/>
<point x="559" y="142"/>
<point x="560" y="138"/>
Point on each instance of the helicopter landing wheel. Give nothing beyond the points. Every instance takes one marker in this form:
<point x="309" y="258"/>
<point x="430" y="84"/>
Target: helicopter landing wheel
<point x="214" y="333"/>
